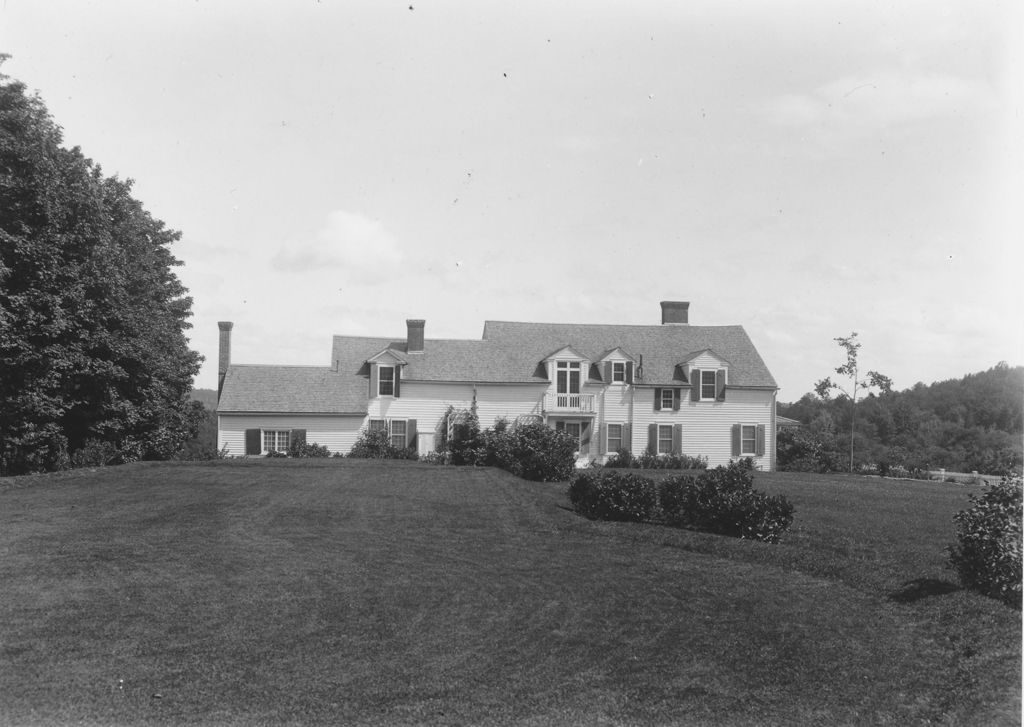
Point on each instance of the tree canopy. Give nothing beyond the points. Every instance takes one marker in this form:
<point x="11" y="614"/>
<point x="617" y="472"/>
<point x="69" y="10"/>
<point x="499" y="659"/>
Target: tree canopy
<point x="92" y="316"/>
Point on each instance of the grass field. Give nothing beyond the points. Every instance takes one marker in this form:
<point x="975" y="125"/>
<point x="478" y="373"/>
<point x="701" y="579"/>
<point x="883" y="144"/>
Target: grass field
<point x="342" y="592"/>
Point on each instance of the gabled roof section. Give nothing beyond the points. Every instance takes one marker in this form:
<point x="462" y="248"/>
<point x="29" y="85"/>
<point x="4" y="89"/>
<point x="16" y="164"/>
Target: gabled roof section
<point x="566" y="352"/>
<point x="617" y="354"/>
<point x="288" y="390"/>
<point x="388" y="356"/>
<point x="660" y="346"/>
<point x="706" y="352"/>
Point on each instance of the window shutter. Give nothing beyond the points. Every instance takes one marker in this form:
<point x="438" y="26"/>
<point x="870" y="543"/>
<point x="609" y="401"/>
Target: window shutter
<point x="410" y="434"/>
<point x="677" y="396"/>
<point x="657" y="400"/>
<point x="253" y="445"/>
<point x="607" y="372"/>
<point x="760" y="440"/>
<point x="603" y="438"/>
<point x="374" y="380"/>
<point x="677" y="439"/>
<point x="652" y="438"/>
<point x="694" y="384"/>
<point x="627" y="438"/>
<point x="720" y="384"/>
<point x="585" y="437"/>
<point x="298" y="437"/>
<point x="629" y="372"/>
<point x="736" y="446"/>
<point x="398" y="380"/>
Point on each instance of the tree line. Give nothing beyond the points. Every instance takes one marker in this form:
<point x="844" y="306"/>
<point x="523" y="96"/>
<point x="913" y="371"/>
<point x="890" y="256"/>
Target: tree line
<point x="95" y="366"/>
<point x="974" y="423"/>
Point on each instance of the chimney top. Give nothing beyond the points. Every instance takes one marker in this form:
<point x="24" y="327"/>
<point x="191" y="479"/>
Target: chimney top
<point x="675" y="312"/>
<point x="414" y="336"/>
<point x="225" y="325"/>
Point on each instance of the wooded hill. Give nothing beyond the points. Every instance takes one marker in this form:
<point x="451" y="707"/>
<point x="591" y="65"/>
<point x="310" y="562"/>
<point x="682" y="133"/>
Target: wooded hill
<point x="975" y="423"/>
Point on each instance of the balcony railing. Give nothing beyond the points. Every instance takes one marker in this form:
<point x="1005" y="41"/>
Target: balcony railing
<point x="580" y="403"/>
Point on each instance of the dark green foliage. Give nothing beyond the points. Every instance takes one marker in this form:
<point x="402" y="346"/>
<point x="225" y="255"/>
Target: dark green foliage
<point x="92" y="317"/>
<point x="724" y="501"/>
<point x="613" y="495"/>
<point x="988" y="554"/>
<point x="202" y="446"/>
<point x="647" y="461"/>
<point x="533" y="451"/>
<point x="963" y="425"/>
<point x="459" y="438"/>
<point x="376" y="444"/>
<point x="310" y="449"/>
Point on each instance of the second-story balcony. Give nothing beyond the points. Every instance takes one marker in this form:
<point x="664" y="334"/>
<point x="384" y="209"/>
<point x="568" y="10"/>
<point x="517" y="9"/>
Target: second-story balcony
<point x="573" y="403"/>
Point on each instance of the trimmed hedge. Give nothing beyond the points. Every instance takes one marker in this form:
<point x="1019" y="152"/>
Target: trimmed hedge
<point x="721" y="501"/>
<point x="610" y="495"/>
<point x="377" y="445"/>
<point x="988" y="554"/>
<point x="623" y="459"/>
<point x="532" y="451"/>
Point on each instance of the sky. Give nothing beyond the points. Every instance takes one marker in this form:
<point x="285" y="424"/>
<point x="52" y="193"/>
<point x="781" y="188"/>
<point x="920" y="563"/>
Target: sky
<point x="804" y="168"/>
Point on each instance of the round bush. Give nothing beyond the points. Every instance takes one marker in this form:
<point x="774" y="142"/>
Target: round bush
<point x="614" y="495"/>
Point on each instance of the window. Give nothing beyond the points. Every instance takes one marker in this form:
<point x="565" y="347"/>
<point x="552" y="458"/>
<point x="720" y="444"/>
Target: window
<point x="386" y="387"/>
<point x="275" y="440"/>
<point x="614" y="437"/>
<point x="748" y="439"/>
<point x="398" y="433"/>
<point x="707" y="385"/>
<point x="667" y="398"/>
<point x="664" y="439"/>
<point x="377" y="425"/>
<point x="567" y="377"/>
<point x="619" y="371"/>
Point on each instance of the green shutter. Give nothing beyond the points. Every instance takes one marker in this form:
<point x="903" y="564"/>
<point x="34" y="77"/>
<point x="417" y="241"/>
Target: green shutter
<point x="298" y="436"/>
<point x="737" y="448"/>
<point x="602" y="438"/>
<point x="657" y="400"/>
<point x="627" y="438"/>
<point x="607" y="372"/>
<point x="760" y="440"/>
<point x="677" y="439"/>
<point x="374" y="380"/>
<point x="652" y="438"/>
<point x="410" y="433"/>
<point x="398" y="380"/>
<point x="720" y="384"/>
<point x="677" y="397"/>
<point x="253" y="441"/>
<point x="694" y="384"/>
<point x="629" y="372"/>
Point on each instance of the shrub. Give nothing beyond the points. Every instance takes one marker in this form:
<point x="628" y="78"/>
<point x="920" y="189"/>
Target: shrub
<point x="800" y="450"/>
<point x="987" y="557"/>
<point x="610" y="495"/>
<point x="647" y="461"/>
<point x="532" y="451"/>
<point x="301" y="449"/>
<point x="95" y="453"/>
<point x="723" y="501"/>
<point x="376" y="444"/>
<point x="459" y="437"/>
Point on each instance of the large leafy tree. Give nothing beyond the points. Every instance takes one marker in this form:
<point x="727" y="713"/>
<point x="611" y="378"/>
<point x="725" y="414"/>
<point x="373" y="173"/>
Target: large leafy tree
<point x="92" y="316"/>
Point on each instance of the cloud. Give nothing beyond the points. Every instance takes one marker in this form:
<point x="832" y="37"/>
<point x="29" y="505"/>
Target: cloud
<point x="856" y="106"/>
<point x="347" y="241"/>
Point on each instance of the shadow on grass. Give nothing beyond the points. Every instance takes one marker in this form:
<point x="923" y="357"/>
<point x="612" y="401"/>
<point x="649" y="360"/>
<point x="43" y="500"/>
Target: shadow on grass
<point x="919" y="588"/>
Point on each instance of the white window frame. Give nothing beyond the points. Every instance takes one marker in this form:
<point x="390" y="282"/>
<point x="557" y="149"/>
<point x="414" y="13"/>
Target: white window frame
<point x="399" y="440"/>
<point x="568" y="368"/>
<point x="618" y="372"/>
<point x="713" y="384"/>
<point x="608" y="437"/>
<point x="276" y="435"/>
<point x="744" y="452"/>
<point x="671" y="394"/>
<point x="381" y="368"/>
<point x="662" y="439"/>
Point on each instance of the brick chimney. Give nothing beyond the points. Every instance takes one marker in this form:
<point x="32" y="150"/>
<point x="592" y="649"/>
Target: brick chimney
<point x="675" y="312"/>
<point x="224" y="357"/>
<point x="414" y="338"/>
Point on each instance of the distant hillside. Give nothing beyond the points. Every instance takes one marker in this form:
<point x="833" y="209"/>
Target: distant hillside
<point x="971" y="423"/>
<point x="206" y="397"/>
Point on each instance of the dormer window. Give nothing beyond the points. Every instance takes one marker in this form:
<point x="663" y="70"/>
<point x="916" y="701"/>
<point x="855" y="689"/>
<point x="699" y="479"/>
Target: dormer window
<point x="386" y="381"/>
<point x="619" y="372"/>
<point x="567" y="377"/>
<point x="707" y="385"/>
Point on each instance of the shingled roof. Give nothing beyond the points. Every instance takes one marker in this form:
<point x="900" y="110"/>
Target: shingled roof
<point x="509" y="352"/>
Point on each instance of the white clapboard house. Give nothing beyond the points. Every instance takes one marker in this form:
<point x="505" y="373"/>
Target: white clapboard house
<point x="668" y="388"/>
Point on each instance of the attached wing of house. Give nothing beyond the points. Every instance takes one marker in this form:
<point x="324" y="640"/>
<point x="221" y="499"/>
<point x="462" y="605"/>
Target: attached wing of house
<point x="669" y="388"/>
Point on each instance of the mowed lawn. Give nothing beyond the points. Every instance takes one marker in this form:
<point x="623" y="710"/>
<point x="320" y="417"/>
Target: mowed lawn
<point x="353" y="592"/>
